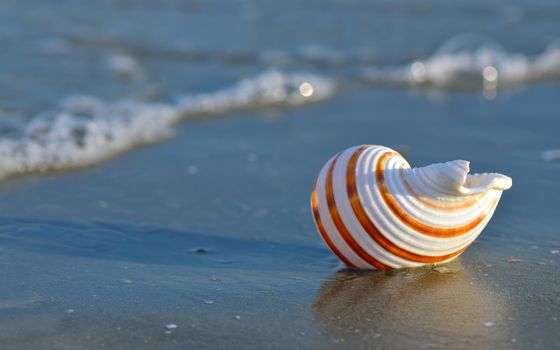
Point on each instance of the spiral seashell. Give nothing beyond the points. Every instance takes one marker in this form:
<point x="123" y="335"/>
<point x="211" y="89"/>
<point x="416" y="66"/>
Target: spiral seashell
<point x="376" y="212"/>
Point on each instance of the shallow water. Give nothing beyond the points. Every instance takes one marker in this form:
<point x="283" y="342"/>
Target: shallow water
<point x="202" y="219"/>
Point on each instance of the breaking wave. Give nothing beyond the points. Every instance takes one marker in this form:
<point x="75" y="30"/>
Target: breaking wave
<point x="85" y="130"/>
<point x="470" y="62"/>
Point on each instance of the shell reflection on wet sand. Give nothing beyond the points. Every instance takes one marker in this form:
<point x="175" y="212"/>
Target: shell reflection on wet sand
<point x="419" y="308"/>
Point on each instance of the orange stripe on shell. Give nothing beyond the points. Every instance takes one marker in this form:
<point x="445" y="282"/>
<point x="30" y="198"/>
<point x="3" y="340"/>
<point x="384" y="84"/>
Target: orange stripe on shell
<point x="339" y="224"/>
<point x="322" y="230"/>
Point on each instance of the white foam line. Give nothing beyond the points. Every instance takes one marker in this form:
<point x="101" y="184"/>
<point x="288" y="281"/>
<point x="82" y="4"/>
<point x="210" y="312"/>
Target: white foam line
<point x="85" y="130"/>
<point x="484" y="66"/>
<point x="272" y="88"/>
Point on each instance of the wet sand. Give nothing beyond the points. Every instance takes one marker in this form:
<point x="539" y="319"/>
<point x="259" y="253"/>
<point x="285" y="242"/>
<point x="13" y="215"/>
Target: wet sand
<point x="69" y="285"/>
<point x="228" y="252"/>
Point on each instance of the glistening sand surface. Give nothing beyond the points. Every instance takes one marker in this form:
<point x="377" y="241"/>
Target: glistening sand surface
<point x="126" y="261"/>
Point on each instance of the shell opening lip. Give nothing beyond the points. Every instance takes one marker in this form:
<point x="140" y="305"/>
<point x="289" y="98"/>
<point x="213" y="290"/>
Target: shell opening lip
<point x="478" y="183"/>
<point x="453" y="179"/>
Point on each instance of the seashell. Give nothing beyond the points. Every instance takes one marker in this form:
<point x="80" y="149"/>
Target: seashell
<point x="376" y="212"/>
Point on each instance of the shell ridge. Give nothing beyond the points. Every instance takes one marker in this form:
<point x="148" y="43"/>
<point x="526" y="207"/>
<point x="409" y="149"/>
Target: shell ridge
<point x="445" y="178"/>
<point x="389" y="225"/>
<point x="426" y="183"/>
<point x="431" y="213"/>
<point x="344" y="173"/>
<point x="448" y="203"/>
<point x="369" y="226"/>
<point x="339" y="224"/>
<point x="408" y="219"/>
<point x="323" y="233"/>
<point x="329" y="226"/>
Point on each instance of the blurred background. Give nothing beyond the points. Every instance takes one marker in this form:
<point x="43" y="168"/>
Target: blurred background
<point x="207" y="122"/>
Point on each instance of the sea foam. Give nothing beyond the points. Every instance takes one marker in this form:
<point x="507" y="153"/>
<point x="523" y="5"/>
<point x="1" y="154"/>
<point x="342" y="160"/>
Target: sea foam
<point x="85" y="130"/>
<point x="271" y="88"/>
<point x="468" y="62"/>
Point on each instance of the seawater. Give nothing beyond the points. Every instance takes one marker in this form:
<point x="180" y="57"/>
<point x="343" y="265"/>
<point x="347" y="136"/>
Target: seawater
<point x="84" y="130"/>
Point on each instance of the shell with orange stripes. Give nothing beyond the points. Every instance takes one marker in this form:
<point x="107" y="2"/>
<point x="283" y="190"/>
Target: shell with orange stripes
<point x="376" y="212"/>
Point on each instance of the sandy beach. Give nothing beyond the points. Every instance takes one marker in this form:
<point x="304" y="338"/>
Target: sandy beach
<point x="203" y="238"/>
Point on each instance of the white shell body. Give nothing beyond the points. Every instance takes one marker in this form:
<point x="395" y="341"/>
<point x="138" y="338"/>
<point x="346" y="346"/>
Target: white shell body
<point x="376" y="212"/>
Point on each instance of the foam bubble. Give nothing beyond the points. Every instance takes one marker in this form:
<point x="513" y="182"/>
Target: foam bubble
<point x="551" y="154"/>
<point x="124" y="65"/>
